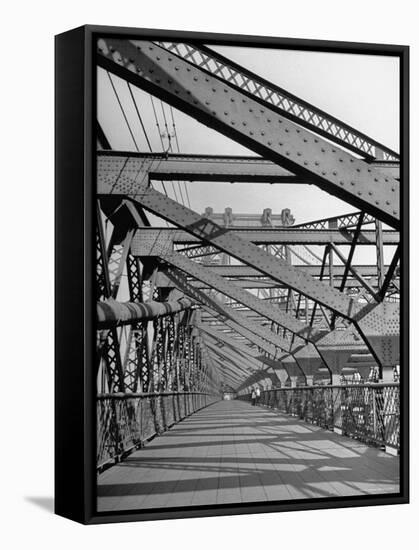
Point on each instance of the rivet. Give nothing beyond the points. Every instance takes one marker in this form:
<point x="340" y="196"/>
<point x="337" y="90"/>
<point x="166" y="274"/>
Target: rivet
<point x="341" y="183"/>
<point x="305" y="140"/>
<point x="251" y="133"/>
<point x="214" y="89"/>
<point x="377" y="202"/>
<point x="352" y="183"/>
<point x="169" y="58"/>
<point x="334" y="173"/>
<point x="268" y="120"/>
<point x="226" y="113"/>
<point x="323" y="150"/>
<point x="158" y="80"/>
<point x="176" y="68"/>
<point x="206" y="79"/>
<point x="244" y="123"/>
<point x="316" y="140"/>
<point x="262" y="133"/>
<point x="375" y="179"/>
<point x="387" y="203"/>
<point x="232" y="99"/>
<point x="286" y="129"/>
<point x="287" y="153"/>
<point x="269" y="142"/>
<point x="225" y="90"/>
<point x="298" y="154"/>
<point x="358" y="169"/>
<point x="393" y="188"/>
<point x="250" y="110"/>
<point x="305" y="163"/>
<point x="323" y="173"/>
<point x="281" y="144"/>
<point x="207" y="103"/>
<point x="158" y="58"/>
<point x="214" y="113"/>
<point x="370" y="193"/>
<point x="188" y="69"/>
<point x="195" y="78"/>
<point x="316" y="162"/>
<point x="150" y="70"/>
<point x="150" y="47"/>
<point x="359" y="193"/>
<point x="169" y="81"/>
<point x="394" y="211"/>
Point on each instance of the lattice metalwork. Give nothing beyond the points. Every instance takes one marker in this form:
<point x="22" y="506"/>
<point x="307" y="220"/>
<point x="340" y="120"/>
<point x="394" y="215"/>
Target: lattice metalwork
<point x="294" y="107"/>
<point x="368" y="412"/>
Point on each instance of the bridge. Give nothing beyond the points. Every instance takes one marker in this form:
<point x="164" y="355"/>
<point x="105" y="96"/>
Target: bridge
<point x="198" y="307"/>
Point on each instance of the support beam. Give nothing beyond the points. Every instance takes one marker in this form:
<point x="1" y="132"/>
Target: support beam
<point x="269" y="236"/>
<point x="228" y="288"/>
<point x="208" y="168"/>
<point x="240" y="117"/>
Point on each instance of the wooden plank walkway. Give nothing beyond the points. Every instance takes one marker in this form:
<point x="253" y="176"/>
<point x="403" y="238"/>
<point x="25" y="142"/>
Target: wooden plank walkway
<point x="232" y="452"/>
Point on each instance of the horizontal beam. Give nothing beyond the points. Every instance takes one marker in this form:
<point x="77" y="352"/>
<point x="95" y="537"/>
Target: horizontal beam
<point x="207" y="168"/>
<point x="313" y="270"/>
<point x="112" y="313"/>
<point x="268" y="236"/>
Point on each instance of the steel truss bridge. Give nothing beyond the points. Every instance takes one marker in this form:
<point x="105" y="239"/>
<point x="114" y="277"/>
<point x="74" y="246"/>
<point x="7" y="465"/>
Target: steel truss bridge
<point x="214" y="303"/>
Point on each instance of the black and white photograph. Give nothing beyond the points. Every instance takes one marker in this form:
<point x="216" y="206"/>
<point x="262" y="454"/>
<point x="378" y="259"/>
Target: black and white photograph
<point x="248" y="275"/>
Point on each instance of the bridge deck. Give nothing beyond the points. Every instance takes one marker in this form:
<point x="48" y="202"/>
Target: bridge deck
<point x="232" y="452"/>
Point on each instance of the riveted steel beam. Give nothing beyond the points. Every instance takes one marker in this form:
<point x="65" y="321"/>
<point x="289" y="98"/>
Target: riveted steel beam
<point x="232" y="271"/>
<point x="286" y="320"/>
<point x="200" y="168"/>
<point x="261" y="129"/>
<point x="247" y="252"/>
<point x="232" y="342"/>
<point x="290" y="105"/>
<point x="265" y="236"/>
<point x="267" y="283"/>
<point x="260" y="336"/>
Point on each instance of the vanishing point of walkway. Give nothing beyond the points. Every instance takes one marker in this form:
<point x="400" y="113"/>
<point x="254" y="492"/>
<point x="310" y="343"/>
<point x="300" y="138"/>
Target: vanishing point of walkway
<point x="231" y="452"/>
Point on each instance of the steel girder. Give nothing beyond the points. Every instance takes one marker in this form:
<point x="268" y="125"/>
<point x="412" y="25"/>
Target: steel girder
<point x="290" y="105"/>
<point x="261" y="129"/>
<point x="260" y="336"/>
<point x="228" y="288"/>
<point x="267" y="236"/>
<point x="232" y="342"/>
<point x="204" y="168"/>
<point x="244" y="251"/>
<point x="232" y="271"/>
<point x="267" y="283"/>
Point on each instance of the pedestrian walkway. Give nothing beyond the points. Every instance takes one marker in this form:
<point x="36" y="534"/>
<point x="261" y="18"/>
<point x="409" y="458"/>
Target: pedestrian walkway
<point x="231" y="452"/>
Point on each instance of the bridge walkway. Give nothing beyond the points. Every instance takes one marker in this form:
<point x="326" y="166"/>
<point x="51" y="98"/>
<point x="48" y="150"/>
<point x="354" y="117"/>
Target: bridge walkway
<point x="231" y="452"/>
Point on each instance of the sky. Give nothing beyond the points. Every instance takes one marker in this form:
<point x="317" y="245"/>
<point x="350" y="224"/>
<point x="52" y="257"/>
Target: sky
<point x="361" y="90"/>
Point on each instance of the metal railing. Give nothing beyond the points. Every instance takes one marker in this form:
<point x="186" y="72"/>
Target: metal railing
<point x="367" y="412"/>
<point x="126" y="421"/>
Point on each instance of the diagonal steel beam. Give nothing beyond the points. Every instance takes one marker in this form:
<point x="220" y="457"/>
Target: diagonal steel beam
<point x="228" y="288"/>
<point x="260" y="336"/>
<point x="263" y="130"/>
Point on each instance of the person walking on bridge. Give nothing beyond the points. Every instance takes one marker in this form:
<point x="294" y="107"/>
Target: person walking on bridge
<point x="253" y="396"/>
<point x="257" y="391"/>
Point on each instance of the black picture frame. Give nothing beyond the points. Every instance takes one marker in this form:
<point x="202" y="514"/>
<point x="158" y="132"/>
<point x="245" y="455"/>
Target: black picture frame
<point x="75" y="143"/>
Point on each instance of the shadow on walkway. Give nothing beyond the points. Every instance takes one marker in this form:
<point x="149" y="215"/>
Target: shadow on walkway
<point x="232" y="452"/>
